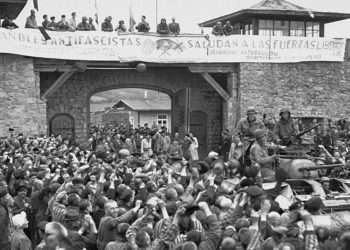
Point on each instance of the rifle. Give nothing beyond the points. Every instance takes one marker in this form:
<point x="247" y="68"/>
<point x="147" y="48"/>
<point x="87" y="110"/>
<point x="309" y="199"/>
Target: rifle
<point x="306" y="131"/>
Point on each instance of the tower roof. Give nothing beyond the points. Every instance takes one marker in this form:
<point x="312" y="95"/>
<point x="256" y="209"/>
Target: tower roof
<point x="278" y="9"/>
<point x="277" y="5"/>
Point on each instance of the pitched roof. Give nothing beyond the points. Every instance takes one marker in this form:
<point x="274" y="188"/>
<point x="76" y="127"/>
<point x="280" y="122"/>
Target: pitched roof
<point x="281" y="9"/>
<point x="146" y="105"/>
<point x="277" y="5"/>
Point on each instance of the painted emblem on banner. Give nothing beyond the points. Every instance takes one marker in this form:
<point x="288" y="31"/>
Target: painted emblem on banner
<point x="168" y="45"/>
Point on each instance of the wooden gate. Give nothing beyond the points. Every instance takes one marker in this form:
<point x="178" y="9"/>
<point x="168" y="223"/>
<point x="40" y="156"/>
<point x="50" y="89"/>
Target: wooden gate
<point x="62" y="124"/>
<point x="198" y="126"/>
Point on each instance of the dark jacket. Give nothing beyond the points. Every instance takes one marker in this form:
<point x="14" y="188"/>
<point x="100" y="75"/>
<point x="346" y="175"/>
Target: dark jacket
<point x="284" y="130"/>
<point x="174" y="28"/>
<point x="107" y="230"/>
<point x="163" y="29"/>
<point x="4" y="228"/>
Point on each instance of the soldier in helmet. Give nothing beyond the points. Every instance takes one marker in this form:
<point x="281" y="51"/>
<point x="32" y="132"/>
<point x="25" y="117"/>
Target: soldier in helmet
<point x="284" y="131"/>
<point x="246" y="127"/>
<point x="259" y="155"/>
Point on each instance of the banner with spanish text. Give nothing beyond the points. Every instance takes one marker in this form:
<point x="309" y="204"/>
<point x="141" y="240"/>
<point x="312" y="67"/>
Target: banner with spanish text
<point x="111" y="46"/>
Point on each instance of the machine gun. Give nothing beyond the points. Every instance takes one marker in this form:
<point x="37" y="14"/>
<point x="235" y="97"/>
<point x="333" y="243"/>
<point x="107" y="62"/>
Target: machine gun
<point x="296" y="138"/>
<point x="306" y="131"/>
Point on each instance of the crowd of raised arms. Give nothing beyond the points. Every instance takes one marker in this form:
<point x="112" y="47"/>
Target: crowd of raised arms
<point x="145" y="189"/>
<point x="89" y="24"/>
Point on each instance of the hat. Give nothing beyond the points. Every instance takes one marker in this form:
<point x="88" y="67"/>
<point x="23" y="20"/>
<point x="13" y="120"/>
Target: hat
<point x="284" y="110"/>
<point x="251" y="110"/>
<point x="259" y="133"/>
<point x="254" y="191"/>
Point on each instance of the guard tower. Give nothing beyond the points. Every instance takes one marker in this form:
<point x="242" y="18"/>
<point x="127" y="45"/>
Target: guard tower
<point x="278" y="18"/>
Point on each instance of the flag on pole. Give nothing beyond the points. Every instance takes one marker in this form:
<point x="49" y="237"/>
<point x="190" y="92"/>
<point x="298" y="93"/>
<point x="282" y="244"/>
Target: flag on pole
<point x="36" y="5"/>
<point x="132" y="21"/>
<point x="96" y="12"/>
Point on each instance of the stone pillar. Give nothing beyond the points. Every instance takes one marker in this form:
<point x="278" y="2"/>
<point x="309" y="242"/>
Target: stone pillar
<point x="179" y="112"/>
<point x="230" y="107"/>
<point x="21" y="106"/>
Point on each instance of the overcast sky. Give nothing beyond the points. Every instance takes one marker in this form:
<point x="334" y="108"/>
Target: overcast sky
<point x="187" y="12"/>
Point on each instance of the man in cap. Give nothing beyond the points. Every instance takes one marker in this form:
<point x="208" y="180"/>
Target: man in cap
<point x="284" y="131"/>
<point x="247" y="126"/>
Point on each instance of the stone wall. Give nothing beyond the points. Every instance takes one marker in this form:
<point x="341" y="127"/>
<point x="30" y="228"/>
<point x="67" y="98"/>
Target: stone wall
<point x="21" y="107"/>
<point x="320" y="89"/>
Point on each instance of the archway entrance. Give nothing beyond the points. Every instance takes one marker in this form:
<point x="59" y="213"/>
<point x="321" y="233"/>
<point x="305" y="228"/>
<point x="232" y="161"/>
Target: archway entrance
<point x="62" y="124"/>
<point x="131" y="108"/>
<point x="186" y="91"/>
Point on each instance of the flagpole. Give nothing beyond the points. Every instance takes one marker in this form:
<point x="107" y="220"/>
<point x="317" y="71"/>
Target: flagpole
<point x="97" y="16"/>
<point x="156" y="13"/>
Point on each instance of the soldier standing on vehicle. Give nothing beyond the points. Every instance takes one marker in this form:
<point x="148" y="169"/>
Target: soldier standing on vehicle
<point x="246" y="127"/>
<point x="284" y="131"/>
<point x="259" y="156"/>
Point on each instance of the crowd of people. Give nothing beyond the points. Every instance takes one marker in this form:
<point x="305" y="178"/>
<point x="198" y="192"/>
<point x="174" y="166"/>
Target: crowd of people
<point x="144" y="189"/>
<point x="89" y="24"/>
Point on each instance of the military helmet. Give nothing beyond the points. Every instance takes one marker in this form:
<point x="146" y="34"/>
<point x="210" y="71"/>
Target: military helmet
<point x="251" y="110"/>
<point x="284" y="110"/>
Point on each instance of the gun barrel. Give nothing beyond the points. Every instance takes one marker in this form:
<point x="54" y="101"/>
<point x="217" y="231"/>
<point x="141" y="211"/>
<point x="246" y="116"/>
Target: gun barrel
<point x="321" y="167"/>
